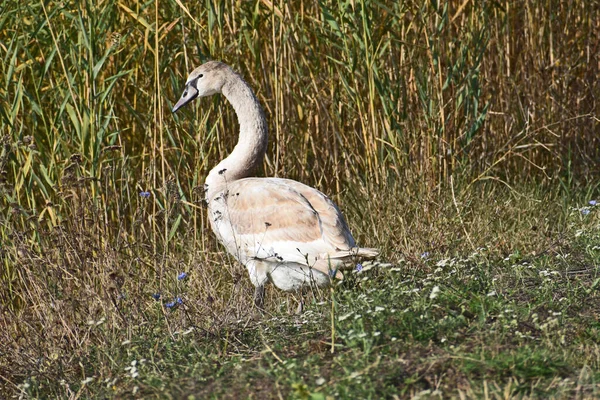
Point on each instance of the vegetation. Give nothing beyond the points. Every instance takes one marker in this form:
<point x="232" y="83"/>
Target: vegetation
<point x="460" y="138"/>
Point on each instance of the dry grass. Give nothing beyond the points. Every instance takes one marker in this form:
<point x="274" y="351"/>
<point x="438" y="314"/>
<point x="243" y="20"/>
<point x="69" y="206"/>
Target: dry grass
<point x="439" y="129"/>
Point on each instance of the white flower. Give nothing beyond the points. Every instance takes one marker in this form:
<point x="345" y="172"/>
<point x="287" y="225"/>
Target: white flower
<point x="434" y="292"/>
<point x="345" y="317"/>
<point x="87" y="380"/>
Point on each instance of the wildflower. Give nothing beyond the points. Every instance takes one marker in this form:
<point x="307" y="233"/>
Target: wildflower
<point x="133" y="371"/>
<point x="585" y="211"/>
<point x="592" y="202"/>
<point x="425" y="255"/>
<point x="181" y="276"/>
<point x="145" y="195"/>
<point x="173" y="304"/>
<point x="87" y="380"/>
<point x="434" y="292"/>
<point x="345" y="317"/>
<point x="358" y="268"/>
<point x="156" y="296"/>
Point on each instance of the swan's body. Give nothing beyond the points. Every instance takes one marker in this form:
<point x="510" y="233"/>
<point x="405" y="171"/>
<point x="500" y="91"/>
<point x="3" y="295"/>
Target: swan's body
<point x="281" y="230"/>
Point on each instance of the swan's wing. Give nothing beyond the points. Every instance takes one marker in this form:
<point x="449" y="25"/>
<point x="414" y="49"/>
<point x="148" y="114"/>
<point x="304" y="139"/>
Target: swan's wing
<point x="279" y="221"/>
<point x="335" y="228"/>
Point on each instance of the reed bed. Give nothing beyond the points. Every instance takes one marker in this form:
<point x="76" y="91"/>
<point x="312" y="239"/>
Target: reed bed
<point x="438" y="126"/>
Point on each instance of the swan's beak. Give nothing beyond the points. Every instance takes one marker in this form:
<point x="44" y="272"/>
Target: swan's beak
<point x="189" y="94"/>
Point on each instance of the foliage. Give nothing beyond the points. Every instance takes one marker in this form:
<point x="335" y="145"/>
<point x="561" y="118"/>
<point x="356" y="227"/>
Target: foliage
<point x="455" y="133"/>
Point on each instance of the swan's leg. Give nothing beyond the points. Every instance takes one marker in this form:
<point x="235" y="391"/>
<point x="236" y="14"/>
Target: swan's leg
<point x="259" y="297"/>
<point x="300" y="308"/>
<point x="258" y="276"/>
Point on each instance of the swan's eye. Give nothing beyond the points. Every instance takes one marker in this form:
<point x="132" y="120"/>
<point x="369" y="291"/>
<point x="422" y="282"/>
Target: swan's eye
<point x="185" y="93"/>
<point x="200" y="76"/>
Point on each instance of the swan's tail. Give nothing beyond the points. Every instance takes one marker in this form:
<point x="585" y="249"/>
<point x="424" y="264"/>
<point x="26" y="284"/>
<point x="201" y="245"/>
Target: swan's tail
<point x="333" y="263"/>
<point x="365" y="253"/>
<point x="355" y="254"/>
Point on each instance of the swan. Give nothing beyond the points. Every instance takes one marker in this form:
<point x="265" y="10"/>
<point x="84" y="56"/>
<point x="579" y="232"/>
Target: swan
<point x="282" y="231"/>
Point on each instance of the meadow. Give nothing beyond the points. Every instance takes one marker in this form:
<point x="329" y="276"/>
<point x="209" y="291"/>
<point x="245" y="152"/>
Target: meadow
<point x="461" y="138"/>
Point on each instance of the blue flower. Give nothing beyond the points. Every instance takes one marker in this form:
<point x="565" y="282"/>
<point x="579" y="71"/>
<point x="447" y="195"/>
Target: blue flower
<point x="585" y="211"/>
<point x="592" y="202"/>
<point x="156" y="296"/>
<point x="181" y="276"/>
<point x="358" y="268"/>
<point x="332" y="273"/>
<point x="177" y="301"/>
<point x="425" y="255"/>
<point x="145" y="195"/>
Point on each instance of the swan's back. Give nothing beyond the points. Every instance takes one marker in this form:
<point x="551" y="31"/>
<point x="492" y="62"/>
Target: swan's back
<point x="281" y="221"/>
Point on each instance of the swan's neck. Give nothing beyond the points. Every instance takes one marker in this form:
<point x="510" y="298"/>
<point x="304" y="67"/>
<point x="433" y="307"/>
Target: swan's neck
<point x="252" y="143"/>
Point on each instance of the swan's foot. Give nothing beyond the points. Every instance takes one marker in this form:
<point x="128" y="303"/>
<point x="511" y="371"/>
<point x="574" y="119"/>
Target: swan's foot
<point x="259" y="297"/>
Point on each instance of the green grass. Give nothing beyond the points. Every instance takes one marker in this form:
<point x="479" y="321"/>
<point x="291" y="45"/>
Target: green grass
<point x="460" y="138"/>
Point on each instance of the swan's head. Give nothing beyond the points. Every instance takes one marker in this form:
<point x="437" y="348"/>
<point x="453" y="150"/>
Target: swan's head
<point x="206" y="80"/>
